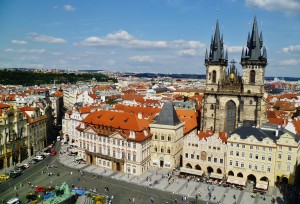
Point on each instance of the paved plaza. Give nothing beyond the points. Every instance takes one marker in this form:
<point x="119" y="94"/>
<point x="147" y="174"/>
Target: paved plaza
<point x="179" y="186"/>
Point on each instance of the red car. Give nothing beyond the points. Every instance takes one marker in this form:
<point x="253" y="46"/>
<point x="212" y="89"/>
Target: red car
<point x="53" y="152"/>
<point x="40" y="189"/>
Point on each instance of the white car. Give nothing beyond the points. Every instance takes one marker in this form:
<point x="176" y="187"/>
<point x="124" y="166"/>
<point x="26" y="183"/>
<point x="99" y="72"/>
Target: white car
<point x="40" y="158"/>
<point x="46" y="153"/>
<point x="13" y="201"/>
<point x="25" y="166"/>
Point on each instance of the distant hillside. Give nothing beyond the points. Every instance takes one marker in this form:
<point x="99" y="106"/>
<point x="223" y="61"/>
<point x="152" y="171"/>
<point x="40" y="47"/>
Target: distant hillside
<point x="194" y="76"/>
<point x="29" y="78"/>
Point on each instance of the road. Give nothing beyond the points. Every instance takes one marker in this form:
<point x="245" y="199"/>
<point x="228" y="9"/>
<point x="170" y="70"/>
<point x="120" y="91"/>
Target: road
<point x="122" y="191"/>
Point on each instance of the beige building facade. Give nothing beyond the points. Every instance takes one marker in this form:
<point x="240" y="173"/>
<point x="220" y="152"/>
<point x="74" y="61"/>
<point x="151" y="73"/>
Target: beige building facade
<point x="263" y="156"/>
<point x="205" y="153"/>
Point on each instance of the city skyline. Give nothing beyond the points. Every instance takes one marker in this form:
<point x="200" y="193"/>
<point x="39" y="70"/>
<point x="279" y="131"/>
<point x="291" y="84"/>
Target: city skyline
<point x="144" y="36"/>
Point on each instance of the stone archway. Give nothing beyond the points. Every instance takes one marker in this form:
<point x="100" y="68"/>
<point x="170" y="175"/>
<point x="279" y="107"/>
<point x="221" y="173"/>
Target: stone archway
<point x="188" y="166"/>
<point x="230" y="173"/>
<point x="240" y="175"/>
<point x="284" y="180"/>
<point x="219" y="171"/>
<point x="210" y="169"/>
<point x="251" y="177"/>
<point x="264" y="178"/>
<point x="198" y="167"/>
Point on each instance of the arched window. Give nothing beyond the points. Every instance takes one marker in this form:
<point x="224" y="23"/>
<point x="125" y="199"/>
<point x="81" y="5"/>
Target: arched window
<point x="252" y="76"/>
<point x="169" y="151"/>
<point x="169" y="137"/>
<point x="230" y="116"/>
<point x="211" y="106"/>
<point x="155" y="149"/>
<point x="214" y="76"/>
<point x="162" y="150"/>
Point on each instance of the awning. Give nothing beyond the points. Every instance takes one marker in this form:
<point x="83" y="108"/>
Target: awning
<point x="262" y="185"/>
<point x="237" y="180"/>
<point x="191" y="171"/>
<point x="215" y="175"/>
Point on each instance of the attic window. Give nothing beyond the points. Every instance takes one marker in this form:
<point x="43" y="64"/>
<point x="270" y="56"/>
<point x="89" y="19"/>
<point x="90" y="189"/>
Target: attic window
<point x="112" y="118"/>
<point x="125" y="120"/>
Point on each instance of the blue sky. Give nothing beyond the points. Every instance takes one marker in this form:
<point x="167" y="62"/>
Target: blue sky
<point x="168" y="36"/>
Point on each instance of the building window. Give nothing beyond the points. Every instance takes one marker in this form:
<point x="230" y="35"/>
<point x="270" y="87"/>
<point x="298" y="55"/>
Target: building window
<point x="268" y="169"/>
<point x="155" y="149"/>
<point x="250" y="166"/>
<point x="168" y="151"/>
<point x="243" y="146"/>
<point x="162" y="137"/>
<point x="237" y="154"/>
<point x="231" y="152"/>
<point x="243" y="154"/>
<point x="231" y="144"/>
<point x="129" y="156"/>
<point x="133" y="170"/>
<point x="162" y="150"/>
<point x="263" y="157"/>
<point x="215" y="160"/>
<point x="221" y="161"/>
<point x="186" y="155"/>
<point x="169" y="137"/>
<point x="279" y="156"/>
<point x="252" y="76"/>
<point x="237" y="145"/>
<point x="236" y="163"/>
<point x="262" y="168"/>
<point x="280" y="147"/>
<point x="123" y="155"/>
<point x="209" y="159"/>
<point x="255" y="166"/>
<point x="198" y="157"/>
<point x="264" y="149"/>
<point x="251" y="147"/>
<point x="290" y="149"/>
<point x="289" y="157"/>
<point x="288" y="168"/>
<point x="256" y="156"/>
<point x="242" y="164"/>
<point x="155" y="136"/>
<point x="257" y="148"/>
<point x="114" y="153"/>
<point x="214" y="76"/>
<point x="192" y="156"/>
<point x="269" y="158"/>
<point x="250" y="155"/>
<point x="278" y="166"/>
<point x="134" y="157"/>
<point x="230" y="162"/>
<point x="270" y="149"/>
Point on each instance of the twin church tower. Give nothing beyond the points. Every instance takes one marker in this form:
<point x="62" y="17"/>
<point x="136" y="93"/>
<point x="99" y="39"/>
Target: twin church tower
<point x="231" y="100"/>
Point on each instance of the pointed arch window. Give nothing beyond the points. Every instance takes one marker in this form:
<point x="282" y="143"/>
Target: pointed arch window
<point x="214" y="76"/>
<point x="252" y="76"/>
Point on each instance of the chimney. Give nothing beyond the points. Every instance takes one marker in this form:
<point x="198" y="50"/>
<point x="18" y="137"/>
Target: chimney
<point x="140" y="116"/>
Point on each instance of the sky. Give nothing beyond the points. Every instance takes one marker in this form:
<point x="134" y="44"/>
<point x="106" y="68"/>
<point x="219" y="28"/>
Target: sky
<point x="159" y="36"/>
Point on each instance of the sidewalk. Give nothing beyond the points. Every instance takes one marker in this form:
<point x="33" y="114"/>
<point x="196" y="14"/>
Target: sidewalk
<point x="178" y="186"/>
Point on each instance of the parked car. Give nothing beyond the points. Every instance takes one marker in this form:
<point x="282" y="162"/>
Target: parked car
<point x="33" y="161"/>
<point x="14" y="174"/>
<point x="39" y="157"/>
<point x="18" y="169"/>
<point x="25" y="166"/>
<point x="13" y="201"/>
<point x="4" y="177"/>
<point x="31" y="196"/>
<point x="46" y="153"/>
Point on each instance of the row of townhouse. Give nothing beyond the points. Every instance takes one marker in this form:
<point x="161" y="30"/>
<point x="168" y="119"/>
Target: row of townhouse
<point x="264" y="156"/>
<point x="22" y="133"/>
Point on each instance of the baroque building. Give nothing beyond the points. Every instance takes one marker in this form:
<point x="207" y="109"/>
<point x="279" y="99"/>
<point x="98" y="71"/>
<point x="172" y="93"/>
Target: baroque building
<point x="230" y="99"/>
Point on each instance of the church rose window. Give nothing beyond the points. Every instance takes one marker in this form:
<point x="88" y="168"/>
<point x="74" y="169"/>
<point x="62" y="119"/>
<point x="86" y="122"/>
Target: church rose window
<point x="230" y="116"/>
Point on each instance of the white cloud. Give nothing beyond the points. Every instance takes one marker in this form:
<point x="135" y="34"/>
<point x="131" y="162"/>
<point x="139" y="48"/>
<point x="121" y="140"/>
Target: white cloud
<point x="285" y="6"/>
<point x="29" y="58"/>
<point x="45" y="38"/>
<point x="37" y="51"/>
<point x="290" y="62"/>
<point x="291" y="49"/>
<point x="190" y="52"/>
<point x="141" y="59"/>
<point x="69" y="7"/>
<point x="19" y="42"/>
<point x="233" y="49"/>
<point x="123" y="39"/>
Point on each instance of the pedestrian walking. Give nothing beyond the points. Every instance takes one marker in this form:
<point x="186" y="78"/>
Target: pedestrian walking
<point x="71" y="172"/>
